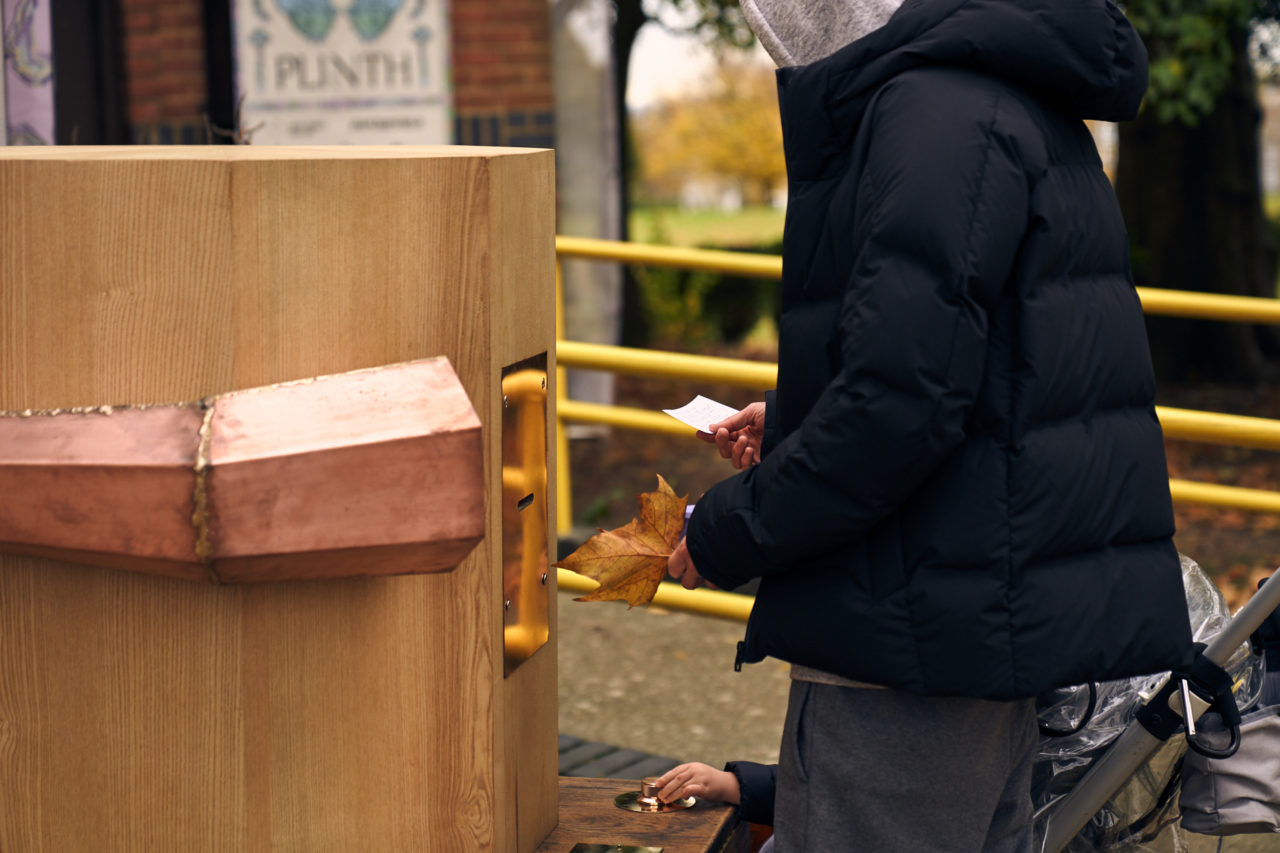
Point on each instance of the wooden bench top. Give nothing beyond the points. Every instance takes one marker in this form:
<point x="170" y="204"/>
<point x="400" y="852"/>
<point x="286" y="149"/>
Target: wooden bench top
<point x="588" y="815"/>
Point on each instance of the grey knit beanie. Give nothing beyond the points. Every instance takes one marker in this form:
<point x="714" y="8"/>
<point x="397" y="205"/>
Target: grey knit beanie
<point x="797" y="32"/>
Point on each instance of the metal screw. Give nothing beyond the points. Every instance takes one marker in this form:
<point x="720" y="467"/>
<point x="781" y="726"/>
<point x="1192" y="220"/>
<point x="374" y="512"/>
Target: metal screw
<point x="544" y="382"/>
<point x="544" y="578"/>
<point x="505" y="402"/>
<point x="506" y="605"/>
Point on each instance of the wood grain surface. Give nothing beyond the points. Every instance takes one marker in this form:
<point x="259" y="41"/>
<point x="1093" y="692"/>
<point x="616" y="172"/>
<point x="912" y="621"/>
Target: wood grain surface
<point x="145" y="713"/>
<point x="589" y="816"/>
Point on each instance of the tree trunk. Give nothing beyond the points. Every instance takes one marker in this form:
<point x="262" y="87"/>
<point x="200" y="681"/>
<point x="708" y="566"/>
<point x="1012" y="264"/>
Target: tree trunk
<point x="626" y="26"/>
<point x="1192" y="202"/>
<point x="629" y="18"/>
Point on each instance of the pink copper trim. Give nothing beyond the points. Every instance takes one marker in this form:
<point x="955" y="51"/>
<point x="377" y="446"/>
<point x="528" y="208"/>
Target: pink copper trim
<point x="364" y="407"/>
<point x="374" y="472"/>
<point x="142" y="436"/>
<point x="117" y="483"/>
<point x="373" y="459"/>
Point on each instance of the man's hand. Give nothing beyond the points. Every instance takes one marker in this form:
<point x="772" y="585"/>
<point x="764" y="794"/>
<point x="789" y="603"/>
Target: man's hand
<point x="738" y="436"/>
<point x="680" y="566"/>
<point x="698" y="780"/>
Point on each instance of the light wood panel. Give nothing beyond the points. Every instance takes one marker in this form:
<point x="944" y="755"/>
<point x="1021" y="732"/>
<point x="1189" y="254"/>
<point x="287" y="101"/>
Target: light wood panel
<point x="528" y="695"/>
<point x="145" y="713"/>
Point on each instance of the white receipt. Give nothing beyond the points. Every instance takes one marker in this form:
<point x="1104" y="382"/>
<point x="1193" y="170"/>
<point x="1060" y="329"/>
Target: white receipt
<point x="700" y="413"/>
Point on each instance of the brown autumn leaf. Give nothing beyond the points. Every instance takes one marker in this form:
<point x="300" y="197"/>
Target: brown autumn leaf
<point x="630" y="561"/>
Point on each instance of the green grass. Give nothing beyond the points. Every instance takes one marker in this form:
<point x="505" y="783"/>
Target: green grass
<point x="1271" y="205"/>
<point x="673" y="226"/>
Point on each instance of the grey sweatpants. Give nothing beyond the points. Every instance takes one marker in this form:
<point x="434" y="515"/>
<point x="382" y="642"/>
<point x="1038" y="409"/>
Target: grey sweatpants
<point x="863" y="769"/>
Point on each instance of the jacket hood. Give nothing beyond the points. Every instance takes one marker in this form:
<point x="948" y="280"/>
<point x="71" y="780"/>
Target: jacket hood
<point x="1082" y="56"/>
<point x="797" y="33"/>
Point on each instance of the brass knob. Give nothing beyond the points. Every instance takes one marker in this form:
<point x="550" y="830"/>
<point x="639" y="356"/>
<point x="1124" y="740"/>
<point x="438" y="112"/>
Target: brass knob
<point x="646" y="799"/>
<point x="649" y="789"/>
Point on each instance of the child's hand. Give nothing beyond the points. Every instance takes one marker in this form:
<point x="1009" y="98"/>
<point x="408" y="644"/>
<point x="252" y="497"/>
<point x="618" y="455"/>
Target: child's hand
<point x="680" y="566"/>
<point x="698" y="780"/>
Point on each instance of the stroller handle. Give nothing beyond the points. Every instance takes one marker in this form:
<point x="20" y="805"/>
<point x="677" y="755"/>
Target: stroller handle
<point x="1247" y="620"/>
<point x="1135" y="745"/>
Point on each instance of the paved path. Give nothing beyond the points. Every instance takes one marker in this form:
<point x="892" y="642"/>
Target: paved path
<point x="663" y="683"/>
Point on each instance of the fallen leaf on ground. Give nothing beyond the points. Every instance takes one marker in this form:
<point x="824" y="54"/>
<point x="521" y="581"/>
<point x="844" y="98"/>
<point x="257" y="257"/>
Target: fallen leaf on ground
<point x="630" y="561"/>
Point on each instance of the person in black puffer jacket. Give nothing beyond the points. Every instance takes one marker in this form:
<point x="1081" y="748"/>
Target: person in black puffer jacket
<point x="961" y="492"/>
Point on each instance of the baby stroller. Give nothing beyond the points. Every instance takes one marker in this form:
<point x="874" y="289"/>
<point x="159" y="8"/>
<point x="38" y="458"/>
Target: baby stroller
<point x="1112" y="775"/>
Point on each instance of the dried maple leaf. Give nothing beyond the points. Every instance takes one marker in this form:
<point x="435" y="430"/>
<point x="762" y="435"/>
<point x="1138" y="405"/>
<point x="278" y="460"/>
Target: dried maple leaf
<point x="630" y="561"/>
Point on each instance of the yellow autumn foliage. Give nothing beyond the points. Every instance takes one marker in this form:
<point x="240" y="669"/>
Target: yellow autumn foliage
<point x="726" y="130"/>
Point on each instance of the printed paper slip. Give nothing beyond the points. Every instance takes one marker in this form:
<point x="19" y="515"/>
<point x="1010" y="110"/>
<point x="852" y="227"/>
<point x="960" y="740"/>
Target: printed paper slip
<point x="700" y="413"/>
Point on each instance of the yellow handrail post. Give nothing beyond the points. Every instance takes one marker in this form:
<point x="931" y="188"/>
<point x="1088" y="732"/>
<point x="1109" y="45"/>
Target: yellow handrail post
<point x="564" y="486"/>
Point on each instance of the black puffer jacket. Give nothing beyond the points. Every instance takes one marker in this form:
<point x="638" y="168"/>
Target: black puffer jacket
<point x="964" y="488"/>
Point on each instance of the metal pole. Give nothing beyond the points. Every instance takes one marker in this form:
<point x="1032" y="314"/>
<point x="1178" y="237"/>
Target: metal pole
<point x="704" y="602"/>
<point x="1136" y="745"/>
<point x="1249" y="618"/>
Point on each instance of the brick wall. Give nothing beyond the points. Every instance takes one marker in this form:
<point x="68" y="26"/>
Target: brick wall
<point x="162" y="49"/>
<point x="501" y="58"/>
<point x="501" y="55"/>
<point x="502" y="88"/>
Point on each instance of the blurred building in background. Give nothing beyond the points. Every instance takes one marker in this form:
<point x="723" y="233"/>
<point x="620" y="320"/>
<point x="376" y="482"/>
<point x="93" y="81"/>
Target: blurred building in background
<point x="588" y="181"/>
<point x="170" y="71"/>
<point x="524" y="73"/>
<point x="1269" y="143"/>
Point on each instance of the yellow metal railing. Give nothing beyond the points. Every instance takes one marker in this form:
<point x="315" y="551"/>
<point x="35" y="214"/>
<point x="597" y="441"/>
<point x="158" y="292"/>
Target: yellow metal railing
<point x="708" y="602"/>
<point x="1209" y="306"/>
<point x="1169" y="303"/>
<point x="668" y="365"/>
<point x="1177" y="423"/>
<point x="736" y="263"/>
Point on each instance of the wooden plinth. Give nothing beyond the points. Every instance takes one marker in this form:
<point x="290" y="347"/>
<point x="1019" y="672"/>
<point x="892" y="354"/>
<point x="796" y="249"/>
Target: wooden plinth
<point x="588" y="816"/>
<point x="148" y="713"/>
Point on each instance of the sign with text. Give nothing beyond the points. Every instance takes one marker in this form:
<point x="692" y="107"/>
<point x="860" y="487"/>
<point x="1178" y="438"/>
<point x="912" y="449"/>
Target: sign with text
<point x="337" y="72"/>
